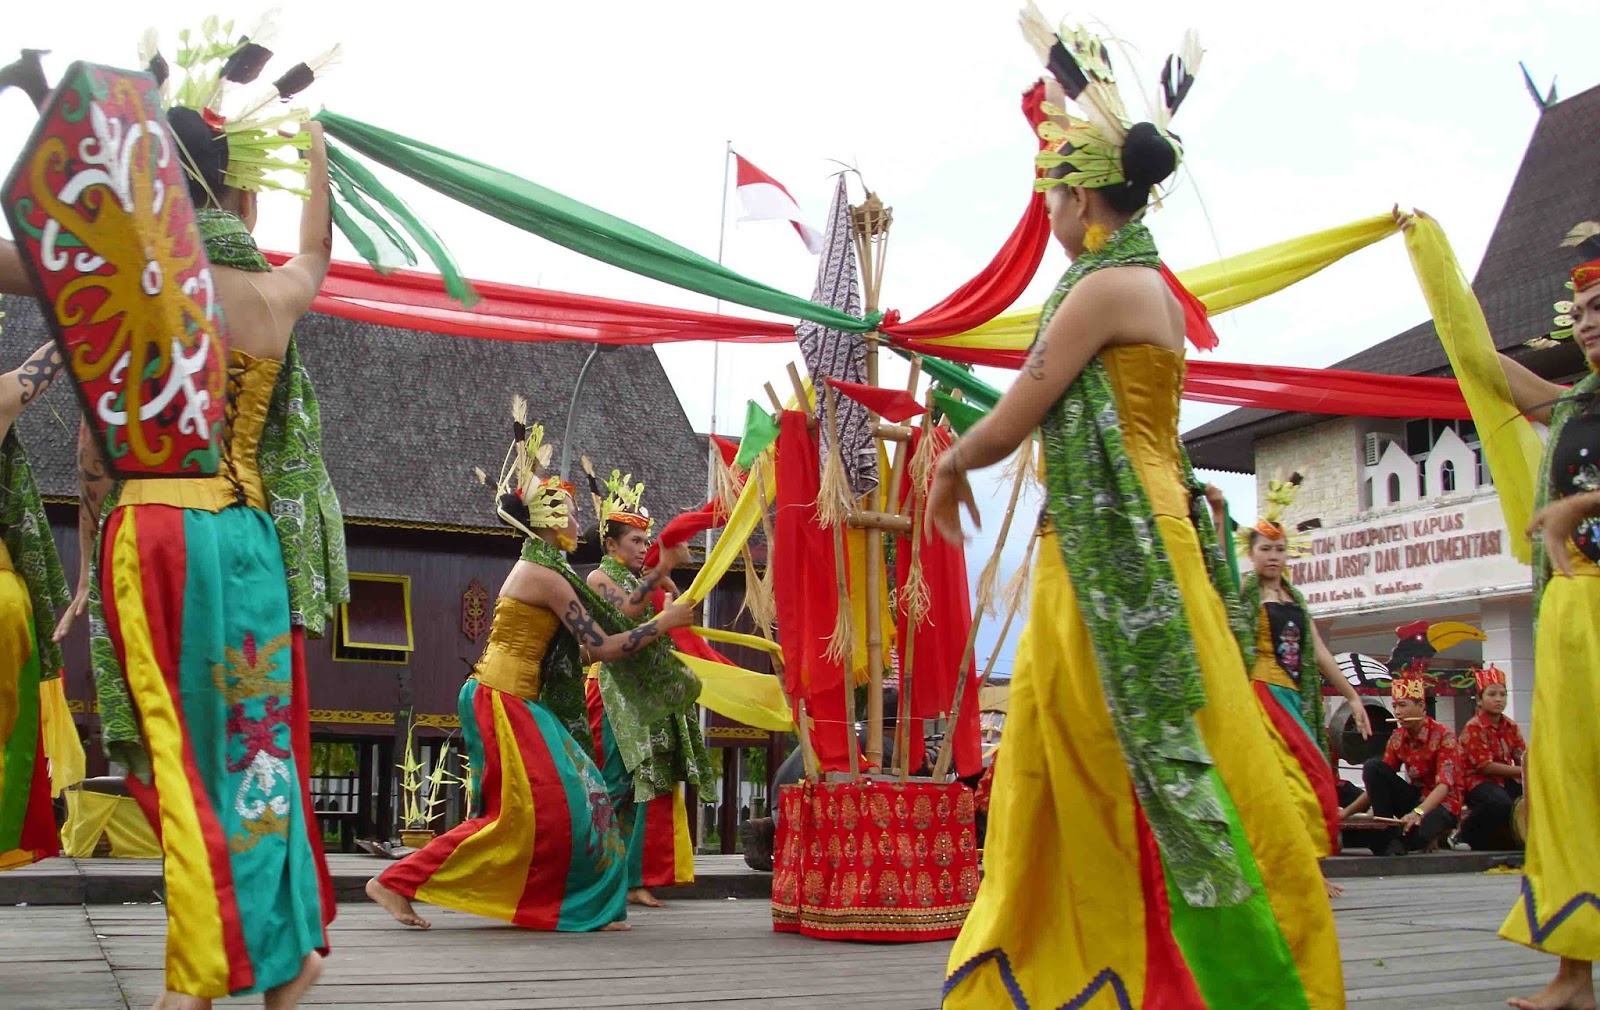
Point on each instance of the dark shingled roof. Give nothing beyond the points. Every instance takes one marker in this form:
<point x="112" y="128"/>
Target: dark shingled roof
<point x="407" y="415"/>
<point x="1557" y="185"/>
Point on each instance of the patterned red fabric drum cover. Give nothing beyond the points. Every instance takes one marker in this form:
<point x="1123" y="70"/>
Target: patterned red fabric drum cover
<point x="885" y="861"/>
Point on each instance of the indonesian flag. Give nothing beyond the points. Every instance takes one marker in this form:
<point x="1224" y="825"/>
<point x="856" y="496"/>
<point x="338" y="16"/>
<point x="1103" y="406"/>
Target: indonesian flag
<point x="765" y="199"/>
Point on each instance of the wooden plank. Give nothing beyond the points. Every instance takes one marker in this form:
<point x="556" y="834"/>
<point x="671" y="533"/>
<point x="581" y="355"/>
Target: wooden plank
<point x="1407" y="944"/>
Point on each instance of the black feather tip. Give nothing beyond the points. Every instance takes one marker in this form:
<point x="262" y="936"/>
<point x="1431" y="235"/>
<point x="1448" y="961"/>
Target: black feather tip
<point x="298" y="78"/>
<point x="519" y="431"/>
<point x="1065" y="69"/>
<point x="158" y="69"/>
<point x="246" y="63"/>
<point x="1176" y="80"/>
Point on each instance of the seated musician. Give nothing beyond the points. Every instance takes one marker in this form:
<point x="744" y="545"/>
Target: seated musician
<point x="1492" y="753"/>
<point x="1427" y="802"/>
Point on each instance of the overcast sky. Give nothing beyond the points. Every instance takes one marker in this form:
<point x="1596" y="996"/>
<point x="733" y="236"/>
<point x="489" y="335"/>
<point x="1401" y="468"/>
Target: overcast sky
<point x="1301" y="119"/>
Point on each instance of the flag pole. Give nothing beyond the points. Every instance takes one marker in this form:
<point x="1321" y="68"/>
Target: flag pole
<point x="716" y="345"/>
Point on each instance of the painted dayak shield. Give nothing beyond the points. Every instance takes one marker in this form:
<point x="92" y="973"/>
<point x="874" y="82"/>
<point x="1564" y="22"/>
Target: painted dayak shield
<point x="100" y="207"/>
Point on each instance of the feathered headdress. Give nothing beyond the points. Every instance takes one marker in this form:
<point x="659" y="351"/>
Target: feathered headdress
<point x="213" y="60"/>
<point x="523" y="500"/>
<point x="1280" y="498"/>
<point x="1586" y="237"/>
<point x="1092" y="146"/>
<point x="623" y="501"/>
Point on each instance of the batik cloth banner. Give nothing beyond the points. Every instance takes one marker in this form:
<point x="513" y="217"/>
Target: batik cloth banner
<point x="889" y="862"/>
<point x="100" y="210"/>
<point x="832" y="353"/>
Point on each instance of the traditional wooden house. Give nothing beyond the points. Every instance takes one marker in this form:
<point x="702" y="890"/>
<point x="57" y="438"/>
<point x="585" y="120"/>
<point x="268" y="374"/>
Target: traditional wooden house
<point x="406" y="417"/>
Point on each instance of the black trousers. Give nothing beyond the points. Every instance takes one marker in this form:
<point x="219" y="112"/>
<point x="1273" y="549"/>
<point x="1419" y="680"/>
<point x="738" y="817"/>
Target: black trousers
<point x="1393" y="796"/>
<point x="1487" y="825"/>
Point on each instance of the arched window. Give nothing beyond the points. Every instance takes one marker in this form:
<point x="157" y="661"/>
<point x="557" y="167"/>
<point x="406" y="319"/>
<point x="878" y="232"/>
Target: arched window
<point x="1394" y="488"/>
<point x="1447" y="477"/>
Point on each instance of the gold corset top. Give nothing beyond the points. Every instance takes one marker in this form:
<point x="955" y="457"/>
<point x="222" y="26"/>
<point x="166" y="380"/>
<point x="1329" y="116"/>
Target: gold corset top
<point x="1146" y="382"/>
<point x="238" y="481"/>
<point x="514" y="657"/>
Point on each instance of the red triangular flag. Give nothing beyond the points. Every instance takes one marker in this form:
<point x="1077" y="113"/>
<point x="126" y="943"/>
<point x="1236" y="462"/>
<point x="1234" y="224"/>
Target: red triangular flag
<point x="893" y="405"/>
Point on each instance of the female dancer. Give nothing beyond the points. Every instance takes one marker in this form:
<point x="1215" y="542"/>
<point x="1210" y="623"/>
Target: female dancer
<point x="1287" y="671"/>
<point x="545" y="851"/>
<point x="203" y="601"/>
<point x="1134" y="846"/>
<point x="1559" y="908"/>
<point x="660" y="853"/>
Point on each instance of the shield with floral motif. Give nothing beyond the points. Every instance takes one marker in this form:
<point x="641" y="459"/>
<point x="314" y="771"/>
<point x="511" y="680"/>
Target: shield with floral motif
<point x="99" y="205"/>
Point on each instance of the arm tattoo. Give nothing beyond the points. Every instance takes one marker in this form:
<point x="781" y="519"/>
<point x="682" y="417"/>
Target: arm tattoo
<point x="610" y="594"/>
<point x="582" y="626"/>
<point x="1035" y="363"/>
<point x="640" y="637"/>
<point x="645" y="588"/>
<point x="38" y="372"/>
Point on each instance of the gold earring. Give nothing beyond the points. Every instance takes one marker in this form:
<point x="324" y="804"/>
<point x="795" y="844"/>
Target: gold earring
<point x="1095" y="238"/>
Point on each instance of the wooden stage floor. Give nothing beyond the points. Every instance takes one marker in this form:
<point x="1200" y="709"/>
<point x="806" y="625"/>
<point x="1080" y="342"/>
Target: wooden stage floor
<point x="1410" y="943"/>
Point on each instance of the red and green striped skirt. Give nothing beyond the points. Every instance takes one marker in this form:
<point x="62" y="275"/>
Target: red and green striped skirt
<point x="197" y="607"/>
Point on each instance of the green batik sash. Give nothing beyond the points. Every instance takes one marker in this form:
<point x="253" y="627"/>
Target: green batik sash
<point x="649" y="696"/>
<point x="32" y="548"/>
<point x="1560" y="414"/>
<point x="228" y="241"/>
<point x="1129" y="600"/>
<point x="1245" y="616"/>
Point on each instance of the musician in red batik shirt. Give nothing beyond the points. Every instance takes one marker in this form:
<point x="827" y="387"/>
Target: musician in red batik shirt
<point x="1492" y="751"/>
<point x="1428" y="800"/>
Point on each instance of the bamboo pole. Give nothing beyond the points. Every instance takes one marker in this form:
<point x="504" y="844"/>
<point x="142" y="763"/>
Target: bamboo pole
<point x="942" y="766"/>
<point x="919" y="500"/>
<point x="841" y="583"/>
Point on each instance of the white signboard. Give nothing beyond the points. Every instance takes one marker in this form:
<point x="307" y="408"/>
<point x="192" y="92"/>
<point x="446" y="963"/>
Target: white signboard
<point x="1411" y="556"/>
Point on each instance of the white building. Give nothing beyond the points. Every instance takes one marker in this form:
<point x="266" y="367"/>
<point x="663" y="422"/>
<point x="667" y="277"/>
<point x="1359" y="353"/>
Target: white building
<point x="1411" y="525"/>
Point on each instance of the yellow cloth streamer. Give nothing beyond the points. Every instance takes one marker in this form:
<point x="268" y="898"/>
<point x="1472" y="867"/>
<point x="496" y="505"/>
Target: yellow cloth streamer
<point x="118" y="818"/>
<point x="62" y="746"/>
<point x="1510" y="445"/>
<point x="755" y="699"/>
<point x="1223" y="285"/>
<point x="738" y="638"/>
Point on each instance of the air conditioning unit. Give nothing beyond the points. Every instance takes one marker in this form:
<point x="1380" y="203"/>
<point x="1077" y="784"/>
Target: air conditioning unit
<point x="1374" y="444"/>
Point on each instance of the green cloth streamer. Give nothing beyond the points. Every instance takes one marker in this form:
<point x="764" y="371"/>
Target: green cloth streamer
<point x="960" y="413"/>
<point x="576" y="226"/>
<point x="1130" y="603"/>
<point x="951" y="376"/>
<point x="760" y="431"/>
<point x="648" y="696"/>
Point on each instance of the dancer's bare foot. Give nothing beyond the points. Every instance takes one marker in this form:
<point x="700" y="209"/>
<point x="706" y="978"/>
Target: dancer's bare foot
<point x="614" y="927"/>
<point x="642" y="896"/>
<point x="1571" y="989"/>
<point x="397" y="905"/>
<point x="1334" y="890"/>
<point x="288" y="995"/>
<point x="180" y="1001"/>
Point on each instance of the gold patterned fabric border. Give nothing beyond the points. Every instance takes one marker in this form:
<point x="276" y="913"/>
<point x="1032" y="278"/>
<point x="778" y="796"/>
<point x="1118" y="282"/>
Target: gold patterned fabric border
<point x="429" y="720"/>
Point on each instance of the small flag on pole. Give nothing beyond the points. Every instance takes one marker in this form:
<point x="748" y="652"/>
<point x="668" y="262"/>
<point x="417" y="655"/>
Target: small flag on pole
<point x="765" y="199"/>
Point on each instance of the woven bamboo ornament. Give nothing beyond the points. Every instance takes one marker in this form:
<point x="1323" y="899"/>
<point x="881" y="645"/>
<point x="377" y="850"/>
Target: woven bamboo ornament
<point x="524" y="500"/>
<point x="1280" y="499"/>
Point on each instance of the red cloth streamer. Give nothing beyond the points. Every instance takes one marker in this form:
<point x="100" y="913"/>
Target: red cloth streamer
<point x="413" y="300"/>
<point x="1196" y="324"/>
<point x="941" y="638"/>
<point x="729" y="450"/>
<point x="1276" y="387"/>
<point x="893" y="405"/>
<point x="805" y="592"/>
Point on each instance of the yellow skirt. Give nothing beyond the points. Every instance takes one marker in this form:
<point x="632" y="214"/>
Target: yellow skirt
<point x="1074" y="908"/>
<point x="1559" y="909"/>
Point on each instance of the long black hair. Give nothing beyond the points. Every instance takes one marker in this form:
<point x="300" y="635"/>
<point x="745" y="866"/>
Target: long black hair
<point x="203" y="152"/>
